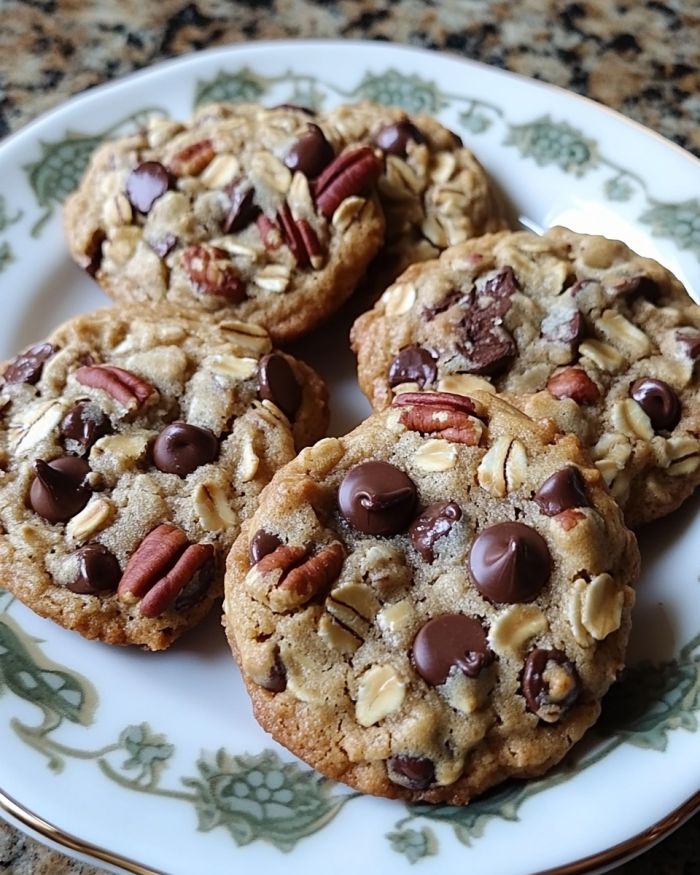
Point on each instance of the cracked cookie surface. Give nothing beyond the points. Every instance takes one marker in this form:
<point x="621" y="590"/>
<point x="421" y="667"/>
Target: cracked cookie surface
<point x="272" y="215"/>
<point x="133" y="444"/>
<point x="435" y="602"/>
<point x="577" y="328"/>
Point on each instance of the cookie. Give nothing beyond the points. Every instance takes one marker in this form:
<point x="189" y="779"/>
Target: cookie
<point x="133" y="444"/>
<point x="434" y="192"/>
<point x="242" y="212"/>
<point x="579" y="328"/>
<point x="435" y="602"/>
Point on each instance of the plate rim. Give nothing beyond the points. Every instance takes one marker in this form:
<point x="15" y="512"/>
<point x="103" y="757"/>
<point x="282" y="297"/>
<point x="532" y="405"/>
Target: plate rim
<point x="615" y="854"/>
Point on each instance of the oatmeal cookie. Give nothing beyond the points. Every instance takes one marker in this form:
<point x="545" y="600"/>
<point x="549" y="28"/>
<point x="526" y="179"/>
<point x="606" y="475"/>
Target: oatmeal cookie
<point x="435" y="602"/>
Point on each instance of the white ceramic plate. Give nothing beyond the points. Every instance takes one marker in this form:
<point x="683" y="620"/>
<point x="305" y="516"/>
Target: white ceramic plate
<point x="153" y="762"/>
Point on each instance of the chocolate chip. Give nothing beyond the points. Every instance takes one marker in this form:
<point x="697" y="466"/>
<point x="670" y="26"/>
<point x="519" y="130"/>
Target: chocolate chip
<point x="181" y="448"/>
<point x="163" y="245"/>
<point x="145" y="184"/>
<point x="395" y="138"/>
<point x="638" y="286"/>
<point x="454" y="297"/>
<point x="544" y="697"/>
<point x="563" y="326"/>
<point x="561" y="491"/>
<point x="277" y="383"/>
<point x="276" y="681"/>
<point x="486" y="345"/>
<point x="659" y="401"/>
<point x="27" y="367"/>
<point x="448" y="642"/>
<point x="509" y="563"/>
<point x="58" y="491"/>
<point x="196" y="588"/>
<point x="311" y="153"/>
<point x="414" y="364"/>
<point x="91" y="259"/>
<point x="242" y="209"/>
<point x="85" y="423"/>
<point x="435" y="522"/>
<point x="261" y="544"/>
<point x="689" y="341"/>
<point x="98" y="570"/>
<point x="377" y="498"/>
<point x="413" y="773"/>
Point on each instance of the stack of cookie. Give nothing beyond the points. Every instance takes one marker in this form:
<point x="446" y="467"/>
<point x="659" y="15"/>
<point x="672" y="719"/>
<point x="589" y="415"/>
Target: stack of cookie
<point x="434" y="602"/>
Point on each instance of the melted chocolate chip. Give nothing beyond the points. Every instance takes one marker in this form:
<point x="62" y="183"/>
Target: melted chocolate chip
<point x="242" y="209"/>
<point x="413" y="364"/>
<point x="277" y="383"/>
<point x="455" y="297"/>
<point x="451" y="641"/>
<point x="413" y="773"/>
<point x="58" y="491"/>
<point x="395" y="138"/>
<point x="145" y="184"/>
<point x="98" y="570"/>
<point x="563" y="326"/>
<point x="85" y="423"/>
<point x="689" y="341"/>
<point x="261" y="544"/>
<point x="435" y="522"/>
<point x="638" y="286"/>
<point x="659" y="401"/>
<point x="561" y="491"/>
<point x="377" y="498"/>
<point x="486" y="345"/>
<point x="547" y="700"/>
<point x="509" y="563"/>
<point x="311" y="153"/>
<point x="91" y="259"/>
<point x="276" y="680"/>
<point x="27" y="367"/>
<point x="196" y="587"/>
<point x="181" y="448"/>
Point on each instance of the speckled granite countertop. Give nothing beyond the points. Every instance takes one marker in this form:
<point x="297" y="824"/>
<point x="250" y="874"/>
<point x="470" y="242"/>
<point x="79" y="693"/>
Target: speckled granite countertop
<point x="641" y="58"/>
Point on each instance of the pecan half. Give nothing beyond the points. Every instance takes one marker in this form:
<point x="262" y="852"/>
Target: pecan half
<point x="574" y="383"/>
<point x="284" y="557"/>
<point x="191" y="160"/>
<point x="301" y="239"/>
<point x="212" y="272"/>
<point x="351" y="173"/>
<point x="450" y="416"/>
<point x="269" y="233"/>
<point x="162" y="566"/>
<point x="126" y="388"/>
<point x="307" y="580"/>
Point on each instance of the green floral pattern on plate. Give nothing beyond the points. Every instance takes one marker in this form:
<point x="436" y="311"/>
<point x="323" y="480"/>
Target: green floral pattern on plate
<point x="6" y="219"/>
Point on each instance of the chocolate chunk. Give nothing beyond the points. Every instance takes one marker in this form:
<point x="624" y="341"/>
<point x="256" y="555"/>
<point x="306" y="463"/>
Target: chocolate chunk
<point x="58" y="491"/>
<point x="276" y="681"/>
<point x="509" y="563"/>
<point x="278" y="383"/>
<point x="85" y="423"/>
<point x="455" y="297"/>
<point x="91" y="259"/>
<point x="638" y="286"/>
<point x="181" y="448"/>
<point x="164" y="245"/>
<point x="145" y="184"/>
<point x="395" y="138"/>
<point x="561" y="491"/>
<point x="413" y="773"/>
<point x="451" y="641"/>
<point x="377" y="498"/>
<point x="311" y="153"/>
<point x="689" y="341"/>
<point x="563" y="326"/>
<point x="549" y="683"/>
<point x="98" y="570"/>
<point x="261" y="544"/>
<point x="196" y="588"/>
<point x="486" y="345"/>
<point x="435" y="522"/>
<point x="659" y="401"/>
<point x="242" y="209"/>
<point x="27" y="367"/>
<point x="413" y="364"/>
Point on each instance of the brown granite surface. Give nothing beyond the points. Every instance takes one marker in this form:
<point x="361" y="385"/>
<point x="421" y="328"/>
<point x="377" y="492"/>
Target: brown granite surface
<point x="641" y="57"/>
